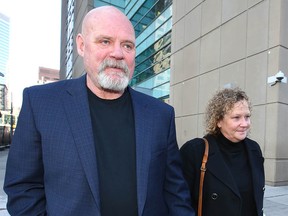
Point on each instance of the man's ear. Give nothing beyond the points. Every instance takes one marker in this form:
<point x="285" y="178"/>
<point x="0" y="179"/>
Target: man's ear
<point x="80" y="44"/>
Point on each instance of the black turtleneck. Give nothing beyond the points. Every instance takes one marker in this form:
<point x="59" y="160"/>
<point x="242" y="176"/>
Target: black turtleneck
<point x="236" y="157"/>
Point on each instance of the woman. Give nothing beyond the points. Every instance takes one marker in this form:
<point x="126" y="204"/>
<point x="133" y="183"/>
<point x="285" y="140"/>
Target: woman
<point x="234" y="180"/>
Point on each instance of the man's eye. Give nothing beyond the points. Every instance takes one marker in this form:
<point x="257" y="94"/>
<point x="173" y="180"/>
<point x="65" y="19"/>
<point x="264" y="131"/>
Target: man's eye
<point x="105" y="42"/>
<point x="128" y="47"/>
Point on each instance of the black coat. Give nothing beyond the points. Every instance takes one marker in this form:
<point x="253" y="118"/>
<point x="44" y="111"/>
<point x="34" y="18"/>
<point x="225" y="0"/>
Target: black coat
<point x="221" y="196"/>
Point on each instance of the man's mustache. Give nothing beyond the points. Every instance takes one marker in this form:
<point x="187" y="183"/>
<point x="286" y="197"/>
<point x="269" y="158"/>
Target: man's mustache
<point x="120" y="64"/>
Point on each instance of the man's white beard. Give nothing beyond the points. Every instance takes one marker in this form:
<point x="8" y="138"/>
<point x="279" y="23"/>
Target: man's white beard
<point x="113" y="81"/>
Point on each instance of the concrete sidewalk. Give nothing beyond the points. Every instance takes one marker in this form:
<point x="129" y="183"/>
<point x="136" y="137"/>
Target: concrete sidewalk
<point x="276" y="201"/>
<point x="275" y="198"/>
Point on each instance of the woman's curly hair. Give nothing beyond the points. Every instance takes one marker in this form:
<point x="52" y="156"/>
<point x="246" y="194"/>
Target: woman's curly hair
<point x="220" y="104"/>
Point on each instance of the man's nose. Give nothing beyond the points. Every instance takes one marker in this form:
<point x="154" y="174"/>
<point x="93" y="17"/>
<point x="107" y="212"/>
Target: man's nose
<point x="117" y="52"/>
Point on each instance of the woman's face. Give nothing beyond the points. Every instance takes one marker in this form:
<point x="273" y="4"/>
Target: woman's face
<point x="236" y="123"/>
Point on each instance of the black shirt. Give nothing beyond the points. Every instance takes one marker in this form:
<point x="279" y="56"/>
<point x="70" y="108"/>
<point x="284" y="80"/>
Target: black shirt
<point x="114" y="137"/>
<point x="236" y="158"/>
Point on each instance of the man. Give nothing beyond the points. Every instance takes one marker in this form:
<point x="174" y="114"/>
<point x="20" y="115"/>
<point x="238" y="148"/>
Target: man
<point x="92" y="145"/>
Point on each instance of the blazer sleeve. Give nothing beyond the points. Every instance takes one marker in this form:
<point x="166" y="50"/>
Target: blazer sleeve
<point x="177" y="193"/>
<point x="24" y="169"/>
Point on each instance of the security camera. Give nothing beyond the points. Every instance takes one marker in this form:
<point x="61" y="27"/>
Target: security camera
<point x="279" y="76"/>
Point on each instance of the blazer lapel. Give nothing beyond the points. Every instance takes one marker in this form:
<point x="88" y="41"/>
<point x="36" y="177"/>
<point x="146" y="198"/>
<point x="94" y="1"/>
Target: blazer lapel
<point x="218" y="167"/>
<point x="78" y="114"/>
<point x="142" y="121"/>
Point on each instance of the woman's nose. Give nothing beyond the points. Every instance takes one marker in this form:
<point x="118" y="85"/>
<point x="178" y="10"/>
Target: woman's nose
<point x="245" y="122"/>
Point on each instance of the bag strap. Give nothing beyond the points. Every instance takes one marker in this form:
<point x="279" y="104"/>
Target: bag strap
<point x="202" y="169"/>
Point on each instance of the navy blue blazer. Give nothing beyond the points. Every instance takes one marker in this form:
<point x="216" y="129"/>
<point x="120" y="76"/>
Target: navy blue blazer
<point x="220" y="192"/>
<point x="52" y="168"/>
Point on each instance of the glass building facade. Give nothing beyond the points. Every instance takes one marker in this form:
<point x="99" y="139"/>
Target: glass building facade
<point x="152" y="21"/>
<point x="4" y="46"/>
<point x="4" y="56"/>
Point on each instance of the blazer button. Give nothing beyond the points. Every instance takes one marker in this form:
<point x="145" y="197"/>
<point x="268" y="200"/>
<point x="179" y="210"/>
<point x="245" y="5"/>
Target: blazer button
<point x="264" y="188"/>
<point x="214" y="196"/>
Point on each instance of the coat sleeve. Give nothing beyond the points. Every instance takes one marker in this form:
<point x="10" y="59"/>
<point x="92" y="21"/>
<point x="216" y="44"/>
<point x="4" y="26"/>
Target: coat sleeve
<point x="177" y="193"/>
<point x="24" y="169"/>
